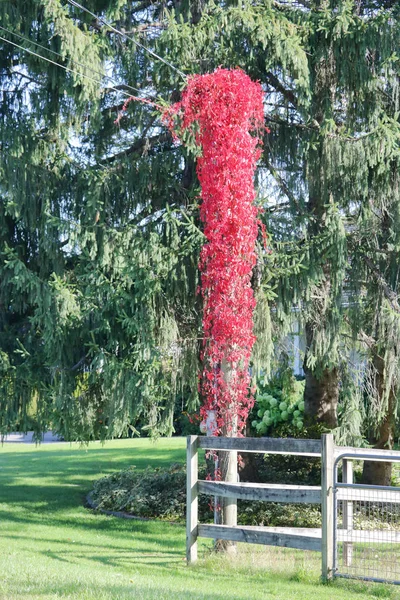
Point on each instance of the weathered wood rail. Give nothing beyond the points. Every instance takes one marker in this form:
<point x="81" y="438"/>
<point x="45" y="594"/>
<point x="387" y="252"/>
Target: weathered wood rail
<point x="261" y="445"/>
<point x="265" y="492"/>
<point x="293" y="537"/>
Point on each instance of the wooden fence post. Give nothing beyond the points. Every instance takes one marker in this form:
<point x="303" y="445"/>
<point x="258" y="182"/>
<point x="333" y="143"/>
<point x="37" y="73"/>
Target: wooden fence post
<point x="347" y="513"/>
<point x="192" y="516"/>
<point x="327" y="505"/>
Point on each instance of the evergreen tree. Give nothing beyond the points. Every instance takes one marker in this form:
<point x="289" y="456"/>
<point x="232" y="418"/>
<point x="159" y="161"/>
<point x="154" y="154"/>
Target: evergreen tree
<point x="375" y="276"/>
<point x="99" y="246"/>
<point x="99" y="256"/>
<point x="99" y="229"/>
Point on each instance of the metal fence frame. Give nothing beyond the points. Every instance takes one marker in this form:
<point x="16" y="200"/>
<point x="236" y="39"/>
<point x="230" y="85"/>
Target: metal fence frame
<point x="350" y="492"/>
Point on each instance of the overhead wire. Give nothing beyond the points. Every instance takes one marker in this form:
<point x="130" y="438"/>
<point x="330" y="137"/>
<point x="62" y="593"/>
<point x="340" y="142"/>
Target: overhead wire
<point x="73" y="71"/>
<point x="53" y="62"/>
<point x="126" y="36"/>
<point x="29" y="40"/>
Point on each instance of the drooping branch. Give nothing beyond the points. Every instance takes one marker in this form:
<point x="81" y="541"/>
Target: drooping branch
<point x="142" y="144"/>
<point x="277" y="121"/>
<point x="390" y="294"/>
<point x="283" y="186"/>
<point x="286" y="93"/>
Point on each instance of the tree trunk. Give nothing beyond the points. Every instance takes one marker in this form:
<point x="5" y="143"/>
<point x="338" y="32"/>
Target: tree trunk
<point x="321" y="393"/>
<point x="377" y="473"/>
<point x="227" y="513"/>
<point x="227" y="464"/>
<point x="248" y="463"/>
<point x="321" y="396"/>
<point x="374" y="472"/>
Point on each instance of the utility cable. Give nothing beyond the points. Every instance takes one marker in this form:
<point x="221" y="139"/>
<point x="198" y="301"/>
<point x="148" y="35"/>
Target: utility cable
<point x="68" y="69"/>
<point x="65" y="68"/>
<point x="128" y="37"/>
<point x="26" y="39"/>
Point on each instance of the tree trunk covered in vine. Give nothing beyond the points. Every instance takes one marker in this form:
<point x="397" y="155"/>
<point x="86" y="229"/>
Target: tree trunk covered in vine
<point x="227" y="465"/>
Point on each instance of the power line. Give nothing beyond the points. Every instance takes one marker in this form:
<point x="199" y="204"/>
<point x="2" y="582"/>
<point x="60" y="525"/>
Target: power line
<point x="26" y="39"/>
<point x="68" y="68"/>
<point x="128" y="37"/>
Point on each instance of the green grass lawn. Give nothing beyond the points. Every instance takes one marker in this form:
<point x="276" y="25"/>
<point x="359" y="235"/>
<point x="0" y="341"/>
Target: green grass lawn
<point x="52" y="547"/>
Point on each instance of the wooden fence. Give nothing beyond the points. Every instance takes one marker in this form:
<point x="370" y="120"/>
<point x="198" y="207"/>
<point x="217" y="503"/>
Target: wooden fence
<point x="290" y="537"/>
<point x="324" y="539"/>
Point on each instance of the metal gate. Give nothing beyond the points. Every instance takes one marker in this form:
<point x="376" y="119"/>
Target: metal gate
<point x="366" y="523"/>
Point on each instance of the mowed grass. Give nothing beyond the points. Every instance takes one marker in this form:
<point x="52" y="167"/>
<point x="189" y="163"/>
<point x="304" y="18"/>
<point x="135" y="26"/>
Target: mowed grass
<point x="52" y="547"/>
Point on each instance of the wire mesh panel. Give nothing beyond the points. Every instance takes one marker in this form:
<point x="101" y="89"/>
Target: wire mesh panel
<point x="367" y="532"/>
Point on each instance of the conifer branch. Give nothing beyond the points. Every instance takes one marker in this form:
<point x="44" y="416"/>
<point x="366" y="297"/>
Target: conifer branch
<point x="390" y="294"/>
<point x="143" y="5"/>
<point x="113" y="108"/>
<point x="277" y="207"/>
<point x="363" y="338"/>
<point x="25" y="76"/>
<point x="121" y="86"/>
<point x="141" y="144"/>
<point x="282" y="184"/>
<point x="288" y="94"/>
<point x="145" y="27"/>
<point x="291" y="5"/>
<point x="277" y="121"/>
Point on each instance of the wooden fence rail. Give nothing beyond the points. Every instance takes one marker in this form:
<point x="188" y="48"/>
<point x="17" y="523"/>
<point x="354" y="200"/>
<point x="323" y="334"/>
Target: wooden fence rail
<point x="265" y="492"/>
<point x="262" y="445"/>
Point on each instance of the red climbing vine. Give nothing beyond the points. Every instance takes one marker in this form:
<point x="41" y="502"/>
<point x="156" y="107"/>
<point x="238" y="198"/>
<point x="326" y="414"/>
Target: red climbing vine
<point x="227" y="108"/>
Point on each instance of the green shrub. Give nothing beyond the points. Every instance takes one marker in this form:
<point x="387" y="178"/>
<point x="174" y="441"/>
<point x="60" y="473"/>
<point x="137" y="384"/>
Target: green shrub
<point x="279" y="406"/>
<point x="161" y="494"/>
<point x="154" y="493"/>
<point x="271" y="514"/>
<point x="290" y="470"/>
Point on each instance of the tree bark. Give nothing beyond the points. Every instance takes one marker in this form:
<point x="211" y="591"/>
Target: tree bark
<point x="227" y="464"/>
<point x="227" y="513"/>
<point x="248" y="463"/>
<point x="321" y="392"/>
<point x="374" y="472"/>
<point x="321" y="395"/>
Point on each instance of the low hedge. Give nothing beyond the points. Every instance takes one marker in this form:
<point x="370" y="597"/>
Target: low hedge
<point x="161" y="494"/>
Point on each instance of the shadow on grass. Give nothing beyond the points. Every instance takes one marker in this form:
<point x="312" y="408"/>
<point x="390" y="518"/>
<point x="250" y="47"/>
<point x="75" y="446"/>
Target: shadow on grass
<point x="56" y="480"/>
<point x="153" y="530"/>
<point x="47" y="488"/>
